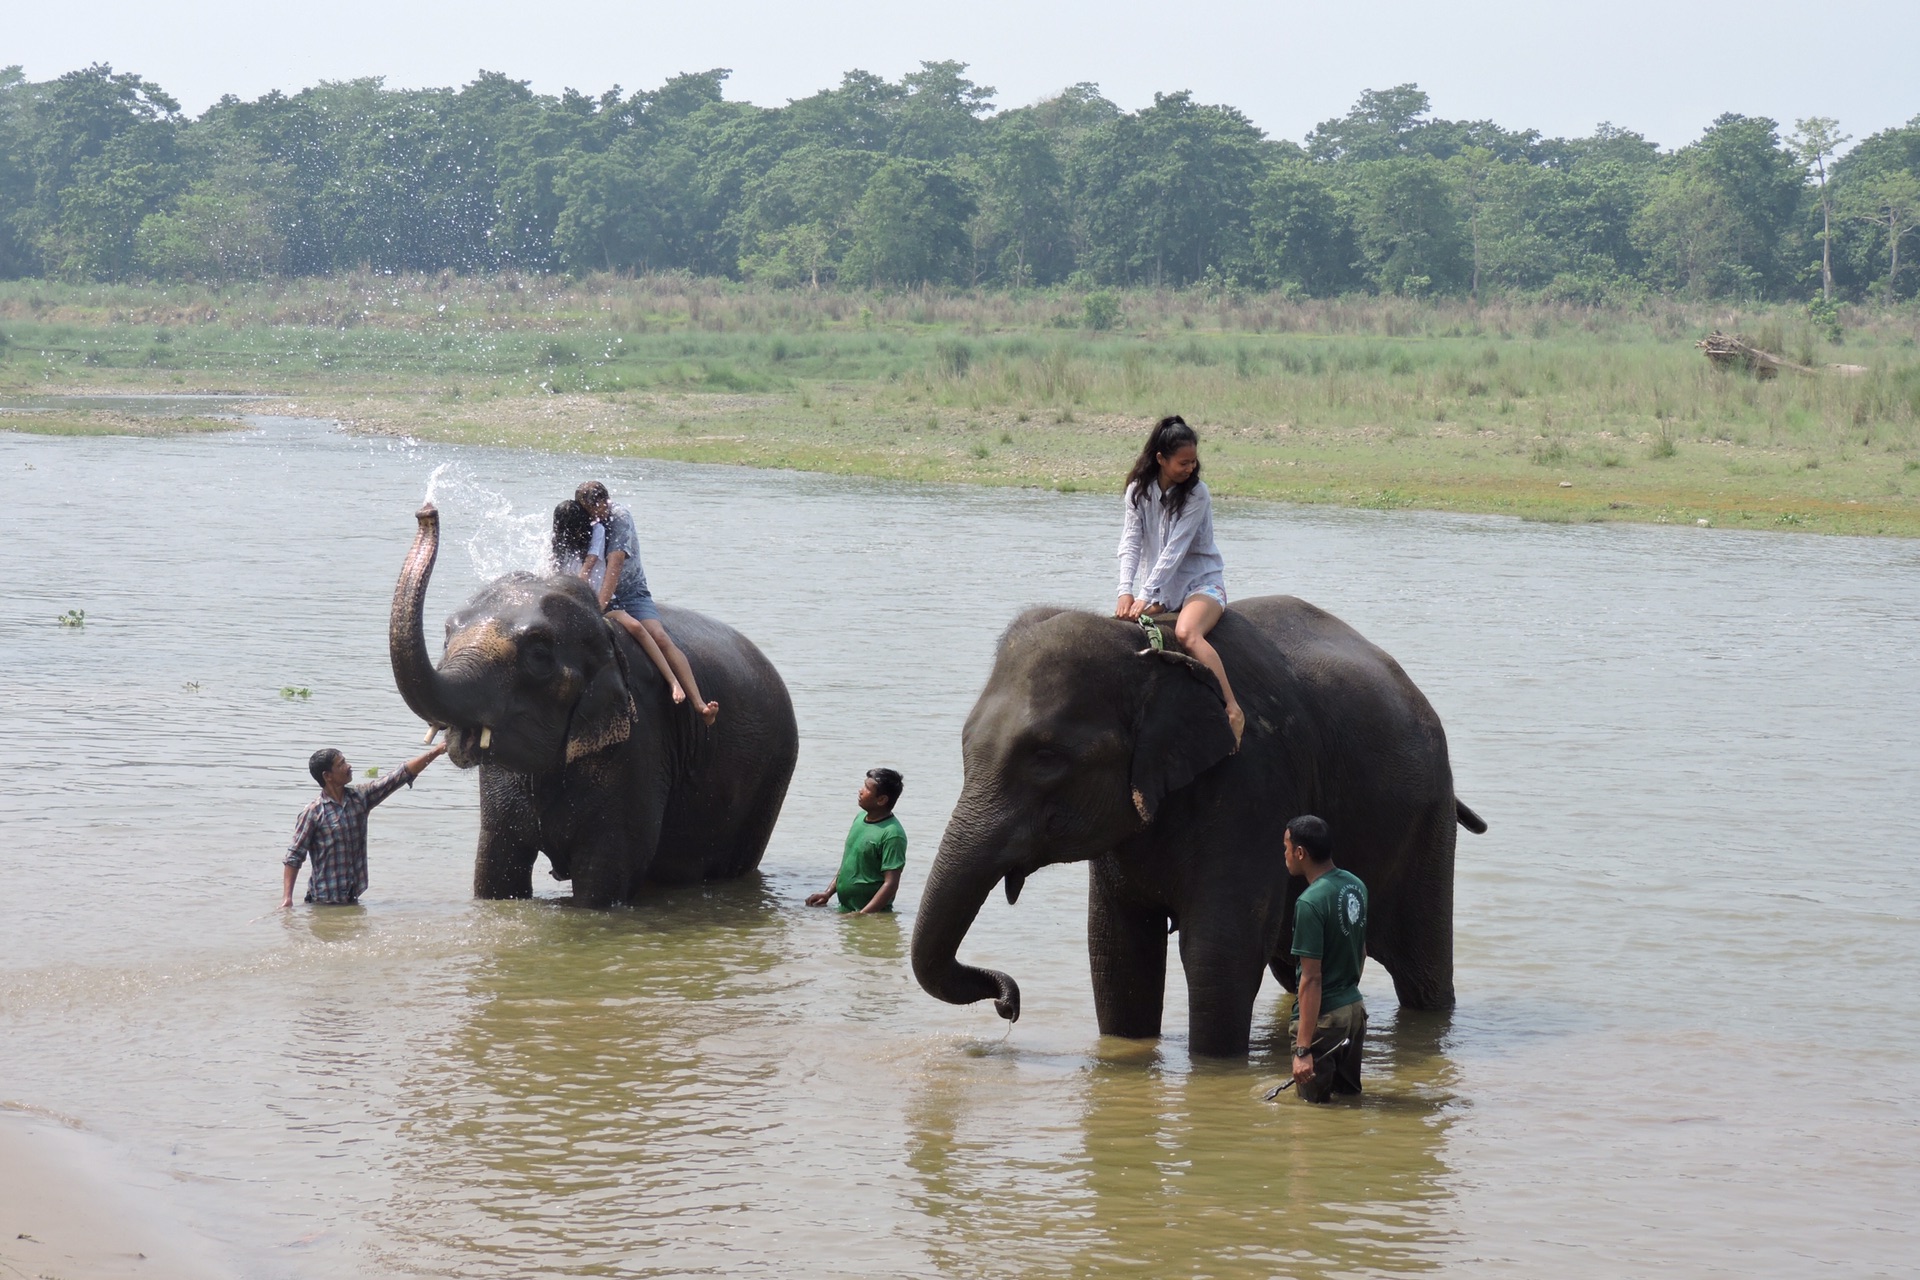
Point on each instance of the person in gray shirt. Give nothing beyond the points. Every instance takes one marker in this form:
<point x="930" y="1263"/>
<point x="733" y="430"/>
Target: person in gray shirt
<point x="625" y="597"/>
<point x="1168" y="533"/>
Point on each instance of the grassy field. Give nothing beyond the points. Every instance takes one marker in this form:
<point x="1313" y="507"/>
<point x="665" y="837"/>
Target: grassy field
<point x="1547" y="412"/>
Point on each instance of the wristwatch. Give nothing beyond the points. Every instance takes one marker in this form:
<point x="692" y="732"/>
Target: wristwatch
<point x="1303" y="1051"/>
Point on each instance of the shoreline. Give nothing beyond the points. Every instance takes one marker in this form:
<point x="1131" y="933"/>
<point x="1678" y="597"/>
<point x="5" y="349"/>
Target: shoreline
<point x="1630" y="478"/>
<point x="72" y="1208"/>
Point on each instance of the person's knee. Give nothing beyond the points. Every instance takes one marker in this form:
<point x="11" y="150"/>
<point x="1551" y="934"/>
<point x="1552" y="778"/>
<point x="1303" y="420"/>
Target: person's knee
<point x="1189" y="633"/>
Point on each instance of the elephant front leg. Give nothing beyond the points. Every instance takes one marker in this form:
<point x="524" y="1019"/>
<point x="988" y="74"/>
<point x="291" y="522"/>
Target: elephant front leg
<point x="1221" y="950"/>
<point x="1127" y="945"/>
<point x="509" y="837"/>
<point x="503" y="866"/>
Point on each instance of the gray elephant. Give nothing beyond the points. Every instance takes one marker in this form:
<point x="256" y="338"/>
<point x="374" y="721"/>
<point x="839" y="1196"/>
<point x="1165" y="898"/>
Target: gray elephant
<point x="582" y="753"/>
<point x="1088" y="744"/>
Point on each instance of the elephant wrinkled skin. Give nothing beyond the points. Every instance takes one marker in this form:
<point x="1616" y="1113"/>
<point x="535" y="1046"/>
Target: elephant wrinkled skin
<point x="1086" y="746"/>
<point x="582" y="753"/>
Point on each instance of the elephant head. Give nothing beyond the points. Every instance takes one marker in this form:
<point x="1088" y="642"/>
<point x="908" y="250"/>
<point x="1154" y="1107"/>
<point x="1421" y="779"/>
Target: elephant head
<point x="1077" y="739"/>
<point x="531" y="678"/>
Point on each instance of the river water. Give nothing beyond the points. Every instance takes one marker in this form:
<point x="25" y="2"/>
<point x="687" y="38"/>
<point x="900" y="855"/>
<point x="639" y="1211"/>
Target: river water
<point x="1686" y="946"/>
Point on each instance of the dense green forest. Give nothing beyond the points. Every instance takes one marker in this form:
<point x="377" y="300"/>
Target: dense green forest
<point x="924" y="182"/>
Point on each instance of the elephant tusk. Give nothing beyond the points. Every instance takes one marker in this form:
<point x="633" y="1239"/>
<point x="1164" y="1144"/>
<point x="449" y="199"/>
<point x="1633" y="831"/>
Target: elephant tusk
<point x="486" y="737"/>
<point x="1015" y="879"/>
<point x="433" y="731"/>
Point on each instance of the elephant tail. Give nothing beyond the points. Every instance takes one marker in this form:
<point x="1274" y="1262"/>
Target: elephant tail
<point x="1468" y="818"/>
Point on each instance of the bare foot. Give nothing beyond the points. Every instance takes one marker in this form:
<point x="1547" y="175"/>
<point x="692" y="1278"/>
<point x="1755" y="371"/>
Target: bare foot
<point x="679" y="694"/>
<point x="1237" y="721"/>
<point x="710" y="712"/>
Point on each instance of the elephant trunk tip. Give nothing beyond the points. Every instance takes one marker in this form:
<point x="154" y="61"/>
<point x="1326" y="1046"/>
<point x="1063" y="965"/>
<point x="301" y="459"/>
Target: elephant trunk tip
<point x="1008" y="1003"/>
<point x="428" y="513"/>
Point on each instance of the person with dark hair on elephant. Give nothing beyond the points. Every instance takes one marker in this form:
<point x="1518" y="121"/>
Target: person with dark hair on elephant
<point x="1329" y="1022"/>
<point x="625" y="596"/>
<point x="1168" y="530"/>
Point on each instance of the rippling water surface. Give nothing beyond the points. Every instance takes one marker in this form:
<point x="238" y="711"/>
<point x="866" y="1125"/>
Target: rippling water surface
<point x="1686" y="946"/>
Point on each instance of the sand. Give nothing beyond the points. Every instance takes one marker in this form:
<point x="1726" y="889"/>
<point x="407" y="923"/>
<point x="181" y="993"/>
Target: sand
<point x="70" y="1209"/>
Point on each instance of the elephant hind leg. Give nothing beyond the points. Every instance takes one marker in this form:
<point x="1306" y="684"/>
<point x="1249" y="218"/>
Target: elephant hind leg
<point x="1413" y="938"/>
<point x="1282" y="969"/>
<point x="1127" y="949"/>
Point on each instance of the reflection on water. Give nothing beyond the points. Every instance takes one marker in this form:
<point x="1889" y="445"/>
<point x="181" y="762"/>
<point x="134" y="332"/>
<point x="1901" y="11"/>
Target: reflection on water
<point x="720" y="1080"/>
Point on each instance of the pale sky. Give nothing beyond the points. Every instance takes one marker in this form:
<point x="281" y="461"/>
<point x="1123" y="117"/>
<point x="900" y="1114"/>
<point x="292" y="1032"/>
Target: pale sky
<point x="1662" y="68"/>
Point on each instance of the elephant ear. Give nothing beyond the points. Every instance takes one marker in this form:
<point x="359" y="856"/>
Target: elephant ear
<point x="1181" y="731"/>
<point x="603" y="717"/>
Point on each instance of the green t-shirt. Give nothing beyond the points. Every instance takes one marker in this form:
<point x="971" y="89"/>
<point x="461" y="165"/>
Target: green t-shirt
<point x="873" y="849"/>
<point x="1330" y="925"/>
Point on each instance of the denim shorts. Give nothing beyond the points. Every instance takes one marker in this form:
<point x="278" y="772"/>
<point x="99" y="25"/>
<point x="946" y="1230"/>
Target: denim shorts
<point x="636" y="604"/>
<point x="1216" y="594"/>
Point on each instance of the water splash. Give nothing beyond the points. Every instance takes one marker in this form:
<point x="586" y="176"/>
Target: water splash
<point x="501" y="539"/>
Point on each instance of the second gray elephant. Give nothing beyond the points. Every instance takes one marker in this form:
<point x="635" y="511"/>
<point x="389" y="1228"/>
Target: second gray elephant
<point x="1088" y="745"/>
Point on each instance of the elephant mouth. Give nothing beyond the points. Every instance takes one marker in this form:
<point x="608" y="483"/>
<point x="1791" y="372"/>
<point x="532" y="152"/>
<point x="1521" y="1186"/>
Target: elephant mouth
<point x="1015" y="881"/>
<point x="466" y="747"/>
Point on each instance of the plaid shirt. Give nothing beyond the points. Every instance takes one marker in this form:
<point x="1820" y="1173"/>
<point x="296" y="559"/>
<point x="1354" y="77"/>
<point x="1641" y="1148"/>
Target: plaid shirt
<point x="336" y="836"/>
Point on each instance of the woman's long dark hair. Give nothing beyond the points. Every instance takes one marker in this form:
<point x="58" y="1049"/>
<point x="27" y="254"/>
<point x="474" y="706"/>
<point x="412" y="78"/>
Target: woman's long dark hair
<point x="572" y="532"/>
<point x="1168" y="437"/>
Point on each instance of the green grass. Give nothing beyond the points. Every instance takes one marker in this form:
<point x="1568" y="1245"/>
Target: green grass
<point x="1369" y="402"/>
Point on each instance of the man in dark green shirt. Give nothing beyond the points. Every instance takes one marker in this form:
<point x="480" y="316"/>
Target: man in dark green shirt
<point x="875" y="853"/>
<point x="1330" y="949"/>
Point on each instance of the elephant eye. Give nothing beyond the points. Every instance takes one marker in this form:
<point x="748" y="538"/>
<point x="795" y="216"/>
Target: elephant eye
<point x="538" y="657"/>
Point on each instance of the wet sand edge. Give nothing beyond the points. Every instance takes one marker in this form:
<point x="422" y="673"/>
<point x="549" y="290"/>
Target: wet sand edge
<point x="70" y="1208"/>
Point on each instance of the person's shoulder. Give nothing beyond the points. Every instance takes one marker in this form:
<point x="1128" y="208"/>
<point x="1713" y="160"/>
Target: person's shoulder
<point x="1201" y="492"/>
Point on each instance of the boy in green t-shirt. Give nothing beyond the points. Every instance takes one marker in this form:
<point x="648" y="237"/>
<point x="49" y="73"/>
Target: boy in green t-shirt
<point x="876" y="850"/>
<point x="1330" y="949"/>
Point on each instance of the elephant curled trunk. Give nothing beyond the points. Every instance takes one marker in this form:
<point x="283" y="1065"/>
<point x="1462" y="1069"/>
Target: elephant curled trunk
<point x="430" y="695"/>
<point x="957" y="887"/>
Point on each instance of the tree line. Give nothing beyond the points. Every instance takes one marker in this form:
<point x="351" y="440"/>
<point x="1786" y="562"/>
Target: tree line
<point x="876" y="183"/>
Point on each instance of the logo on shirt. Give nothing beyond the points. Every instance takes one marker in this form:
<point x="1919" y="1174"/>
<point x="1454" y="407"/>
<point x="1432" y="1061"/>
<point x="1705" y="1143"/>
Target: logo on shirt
<point x="1349" y="911"/>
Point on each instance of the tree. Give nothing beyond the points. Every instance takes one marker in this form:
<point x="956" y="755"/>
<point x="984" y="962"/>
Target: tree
<point x="1024" y="209"/>
<point x="1408" y="225"/>
<point x="1890" y="202"/>
<point x="1379" y="126"/>
<point x="910" y="226"/>
<point x="1814" y="141"/>
<point x="796" y="220"/>
<point x="1167" y="192"/>
<point x="1301" y="234"/>
<point x="1719" y="214"/>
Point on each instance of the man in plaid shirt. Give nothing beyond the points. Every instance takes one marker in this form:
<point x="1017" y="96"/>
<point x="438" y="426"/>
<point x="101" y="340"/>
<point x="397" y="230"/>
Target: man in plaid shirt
<point x="333" y="829"/>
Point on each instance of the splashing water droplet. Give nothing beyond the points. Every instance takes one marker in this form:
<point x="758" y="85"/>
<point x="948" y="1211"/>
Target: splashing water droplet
<point x="502" y="539"/>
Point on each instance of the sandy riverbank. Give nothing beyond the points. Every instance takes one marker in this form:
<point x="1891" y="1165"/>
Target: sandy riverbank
<point x="70" y="1209"/>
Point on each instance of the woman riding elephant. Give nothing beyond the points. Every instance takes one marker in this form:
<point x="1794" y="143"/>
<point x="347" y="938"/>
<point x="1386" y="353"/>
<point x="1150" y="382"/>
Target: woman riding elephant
<point x="1169" y="528"/>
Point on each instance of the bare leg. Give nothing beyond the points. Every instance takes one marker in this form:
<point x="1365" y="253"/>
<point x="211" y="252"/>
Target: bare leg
<point x="709" y="711"/>
<point x="1197" y="617"/>
<point x="644" y="639"/>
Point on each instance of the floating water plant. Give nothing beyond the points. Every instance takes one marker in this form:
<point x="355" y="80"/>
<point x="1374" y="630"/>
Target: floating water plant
<point x="73" y="618"/>
<point x="292" y="691"/>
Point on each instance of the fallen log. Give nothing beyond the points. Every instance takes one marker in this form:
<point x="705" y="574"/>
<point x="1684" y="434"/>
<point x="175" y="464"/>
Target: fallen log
<point x="1728" y="350"/>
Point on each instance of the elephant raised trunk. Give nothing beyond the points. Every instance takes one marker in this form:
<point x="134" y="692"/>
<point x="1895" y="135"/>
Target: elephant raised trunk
<point x="429" y="694"/>
<point x="963" y="875"/>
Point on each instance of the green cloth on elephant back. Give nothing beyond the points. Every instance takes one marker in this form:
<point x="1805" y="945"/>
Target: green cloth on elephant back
<point x="1330" y="925"/>
<point x="873" y="849"/>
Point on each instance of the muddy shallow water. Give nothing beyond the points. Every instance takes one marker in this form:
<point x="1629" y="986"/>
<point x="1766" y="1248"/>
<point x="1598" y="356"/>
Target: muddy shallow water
<point x="1685" y="946"/>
